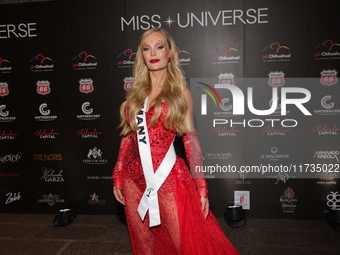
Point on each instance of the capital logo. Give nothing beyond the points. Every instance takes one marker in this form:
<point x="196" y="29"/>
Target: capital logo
<point x="44" y="134"/>
<point x="83" y="61"/>
<point x="226" y="54"/>
<point x="45" y="113"/>
<point x="126" y="58"/>
<point x="5" y="135"/>
<point x="41" y="63"/>
<point x="324" y="129"/>
<point x="86" y="133"/>
<point x="333" y="200"/>
<point x="327" y="50"/>
<point x="329" y="77"/>
<point x="276" y="52"/>
<point x="128" y="82"/>
<point x="43" y="87"/>
<point x="276" y="79"/>
<point x="4" y="89"/>
<point x="86" y="86"/>
<point x="5" y="65"/>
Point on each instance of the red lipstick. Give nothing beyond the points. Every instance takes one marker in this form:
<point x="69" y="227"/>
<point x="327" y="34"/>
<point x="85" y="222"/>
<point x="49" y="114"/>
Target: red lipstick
<point x="153" y="61"/>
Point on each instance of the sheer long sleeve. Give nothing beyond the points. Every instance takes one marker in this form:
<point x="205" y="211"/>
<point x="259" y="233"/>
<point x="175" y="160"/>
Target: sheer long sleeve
<point x="193" y="153"/>
<point x="118" y="170"/>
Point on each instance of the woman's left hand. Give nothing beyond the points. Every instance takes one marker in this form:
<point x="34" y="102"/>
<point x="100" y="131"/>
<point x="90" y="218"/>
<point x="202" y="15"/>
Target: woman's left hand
<point x="205" y="206"/>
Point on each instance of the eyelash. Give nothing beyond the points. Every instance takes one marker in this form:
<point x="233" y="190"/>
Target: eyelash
<point x="158" y="48"/>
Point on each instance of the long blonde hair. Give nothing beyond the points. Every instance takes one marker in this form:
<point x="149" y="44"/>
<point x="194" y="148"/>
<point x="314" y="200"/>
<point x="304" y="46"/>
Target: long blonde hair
<point x="172" y="91"/>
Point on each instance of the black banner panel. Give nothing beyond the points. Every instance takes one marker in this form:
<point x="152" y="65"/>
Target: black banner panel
<point x="263" y="77"/>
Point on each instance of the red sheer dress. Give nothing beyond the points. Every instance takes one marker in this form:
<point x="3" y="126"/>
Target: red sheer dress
<point x="183" y="229"/>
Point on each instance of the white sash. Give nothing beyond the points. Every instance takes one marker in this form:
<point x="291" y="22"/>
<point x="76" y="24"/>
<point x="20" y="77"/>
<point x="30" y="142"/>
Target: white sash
<point x="154" y="180"/>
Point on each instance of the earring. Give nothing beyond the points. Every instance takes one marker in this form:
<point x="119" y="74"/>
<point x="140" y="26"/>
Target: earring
<point x="169" y="59"/>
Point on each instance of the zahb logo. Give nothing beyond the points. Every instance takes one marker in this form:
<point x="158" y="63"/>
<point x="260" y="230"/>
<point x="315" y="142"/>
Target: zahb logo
<point x="327" y="50"/>
<point x="276" y="52"/>
<point x="45" y="113"/>
<point x="328" y="107"/>
<point x="226" y="54"/>
<point x="41" y="63"/>
<point x="128" y="82"/>
<point x="83" y="60"/>
<point x="328" y="77"/>
<point x="86" y="86"/>
<point x="43" y="87"/>
<point x="5" y="65"/>
<point x="4" y="115"/>
<point x="4" y="89"/>
<point x="87" y="110"/>
<point x="126" y="58"/>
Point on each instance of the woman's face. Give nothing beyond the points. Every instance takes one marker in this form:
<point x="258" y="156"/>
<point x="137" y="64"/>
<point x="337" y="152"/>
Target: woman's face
<point x="156" y="51"/>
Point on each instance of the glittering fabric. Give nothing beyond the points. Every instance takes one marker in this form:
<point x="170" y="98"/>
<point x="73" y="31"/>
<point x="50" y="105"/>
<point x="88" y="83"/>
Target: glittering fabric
<point x="183" y="229"/>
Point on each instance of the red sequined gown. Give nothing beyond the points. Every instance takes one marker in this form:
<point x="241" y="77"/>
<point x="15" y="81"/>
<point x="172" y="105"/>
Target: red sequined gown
<point x="183" y="229"/>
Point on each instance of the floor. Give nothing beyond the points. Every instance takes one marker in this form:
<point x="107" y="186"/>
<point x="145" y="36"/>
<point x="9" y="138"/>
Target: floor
<point x="107" y="234"/>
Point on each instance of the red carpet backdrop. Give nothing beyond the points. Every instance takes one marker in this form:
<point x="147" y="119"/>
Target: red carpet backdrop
<point x="65" y="67"/>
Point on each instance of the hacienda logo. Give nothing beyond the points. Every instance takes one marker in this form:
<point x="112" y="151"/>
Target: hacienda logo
<point x="84" y="61"/>
<point x="41" y="63"/>
<point x="327" y="50"/>
<point x="126" y="58"/>
<point x="226" y="54"/>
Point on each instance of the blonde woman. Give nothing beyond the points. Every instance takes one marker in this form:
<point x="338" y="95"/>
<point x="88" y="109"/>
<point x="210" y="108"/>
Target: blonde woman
<point x="167" y="210"/>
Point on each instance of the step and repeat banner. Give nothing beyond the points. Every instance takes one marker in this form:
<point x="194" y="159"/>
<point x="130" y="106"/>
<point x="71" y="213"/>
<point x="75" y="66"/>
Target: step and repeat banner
<point x="264" y="81"/>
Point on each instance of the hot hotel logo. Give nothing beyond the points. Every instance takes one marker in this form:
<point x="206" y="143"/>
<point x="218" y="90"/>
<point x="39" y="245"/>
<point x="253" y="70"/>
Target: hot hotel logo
<point x="276" y="52"/>
<point x="84" y="61"/>
<point x="5" y="65"/>
<point x="126" y="58"/>
<point x="327" y="50"/>
<point x="226" y="54"/>
<point x="41" y="63"/>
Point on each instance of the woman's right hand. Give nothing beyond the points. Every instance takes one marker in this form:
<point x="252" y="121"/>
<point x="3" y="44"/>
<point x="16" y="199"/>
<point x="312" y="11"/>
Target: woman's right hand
<point x="119" y="195"/>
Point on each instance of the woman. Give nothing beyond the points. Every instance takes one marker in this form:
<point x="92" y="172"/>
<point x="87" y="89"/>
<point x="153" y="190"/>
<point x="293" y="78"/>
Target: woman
<point x="167" y="211"/>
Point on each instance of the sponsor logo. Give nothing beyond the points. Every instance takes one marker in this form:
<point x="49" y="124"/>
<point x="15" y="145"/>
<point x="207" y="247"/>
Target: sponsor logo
<point x="88" y="112"/>
<point x="4" y="89"/>
<point x="276" y="52"/>
<point x="333" y="200"/>
<point x="126" y="58"/>
<point x="49" y="175"/>
<point x="327" y="155"/>
<point x="45" y="114"/>
<point x="324" y="129"/>
<point x="184" y="59"/>
<point x="217" y="155"/>
<point x="11" y="158"/>
<point x="226" y="54"/>
<point x="128" y="82"/>
<point x="41" y="63"/>
<point x="5" y="65"/>
<point x="86" y="86"/>
<point x="202" y="19"/>
<point x="48" y="157"/>
<point x="328" y="77"/>
<point x="7" y="135"/>
<point x="276" y="79"/>
<point x="328" y="107"/>
<point x="96" y="177"/>
<point x="288" y="200"/>
<point x="327" y="50"/>
<point x="84" y="61"/>
<point x="4" y="115"/>
<point x="12" y="197"/>
<point x="43" y="88"/>
<point x="274" y="155"/>
<point x="94" y="157"/>
<point x="21" y="30"/>
<point x="86" y="133"/>
<point x="274" y="131"/>
<point x="95" y="200"/>
<point x="50" y="199"/>
<point x="8" y="175"/>
<point x="44" y="134"/>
